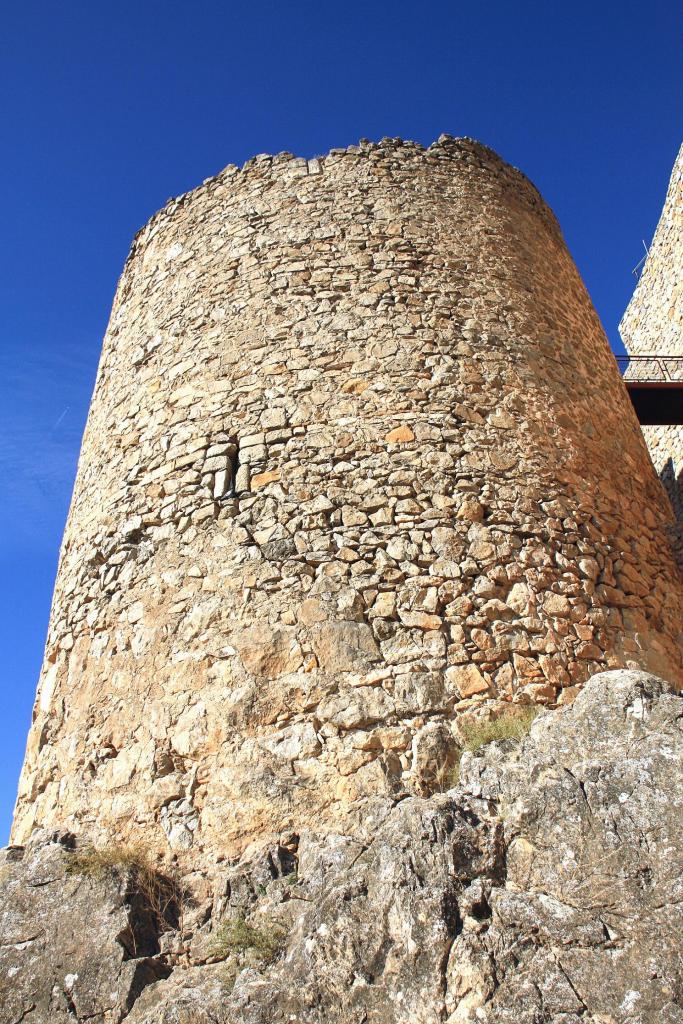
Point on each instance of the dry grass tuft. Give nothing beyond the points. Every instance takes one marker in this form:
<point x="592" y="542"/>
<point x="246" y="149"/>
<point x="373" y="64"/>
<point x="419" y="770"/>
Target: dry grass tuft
<point x="99" y="862"/>
<point x="513" y="724"/>
<point x="160" y="897"/>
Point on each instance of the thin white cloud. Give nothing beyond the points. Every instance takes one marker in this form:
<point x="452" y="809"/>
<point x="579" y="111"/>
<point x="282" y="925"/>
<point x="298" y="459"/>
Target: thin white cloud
<point x="60" y="418"/>
<point x="46" y="393"/>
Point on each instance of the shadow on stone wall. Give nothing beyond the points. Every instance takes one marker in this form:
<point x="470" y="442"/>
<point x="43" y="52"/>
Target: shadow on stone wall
<point x="673" y="483"/>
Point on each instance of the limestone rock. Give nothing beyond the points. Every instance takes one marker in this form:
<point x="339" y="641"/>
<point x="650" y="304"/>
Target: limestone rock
<point x="344" y="646"/>
<point x="544" y="889"/>
<point x="269" y="652"/>
<point x="72" y="947"/>
<point x="400" y="435"/>
<point x="467" y="680"/>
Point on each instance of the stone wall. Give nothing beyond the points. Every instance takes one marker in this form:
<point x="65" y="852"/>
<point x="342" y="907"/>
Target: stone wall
<point x="665" y="444"/>
<point x="653" y="321"/>
<point x="653" y="325"/>
<point x="358" y="463"/>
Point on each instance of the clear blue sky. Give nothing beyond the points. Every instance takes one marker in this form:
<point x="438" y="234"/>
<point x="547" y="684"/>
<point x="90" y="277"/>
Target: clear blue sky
<point x="110" y="108"/>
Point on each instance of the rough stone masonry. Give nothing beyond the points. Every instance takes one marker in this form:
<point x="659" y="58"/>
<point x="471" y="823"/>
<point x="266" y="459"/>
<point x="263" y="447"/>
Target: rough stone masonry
<point x="653" y="325"/>
<point x="359" y="463"/>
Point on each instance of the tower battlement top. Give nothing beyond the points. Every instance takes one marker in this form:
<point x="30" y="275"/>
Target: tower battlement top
<point x="388" y="152"/>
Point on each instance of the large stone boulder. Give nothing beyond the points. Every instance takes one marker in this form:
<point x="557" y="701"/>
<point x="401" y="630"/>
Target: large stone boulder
<point x="545" y="887"/>
<point x="78" y="940"/>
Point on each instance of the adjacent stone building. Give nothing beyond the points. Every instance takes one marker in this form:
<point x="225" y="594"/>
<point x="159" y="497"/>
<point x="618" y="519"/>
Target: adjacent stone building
<point x="359" y="462"/>
<point x="653" y="326"/>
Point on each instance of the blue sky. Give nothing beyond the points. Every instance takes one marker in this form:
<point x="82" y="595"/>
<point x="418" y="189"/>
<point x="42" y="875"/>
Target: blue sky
<point x="109" y="109"/>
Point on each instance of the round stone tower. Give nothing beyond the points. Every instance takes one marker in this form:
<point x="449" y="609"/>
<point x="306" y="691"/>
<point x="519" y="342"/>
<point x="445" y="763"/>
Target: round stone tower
<point x="359" y="462"/>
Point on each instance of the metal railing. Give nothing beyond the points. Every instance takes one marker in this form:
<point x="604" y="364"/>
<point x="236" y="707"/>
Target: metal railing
<point x="654" y="369"/>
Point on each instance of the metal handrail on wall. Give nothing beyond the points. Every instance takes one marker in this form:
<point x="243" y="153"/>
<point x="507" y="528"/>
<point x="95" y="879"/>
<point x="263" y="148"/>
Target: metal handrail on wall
<point x="655" y="369"/>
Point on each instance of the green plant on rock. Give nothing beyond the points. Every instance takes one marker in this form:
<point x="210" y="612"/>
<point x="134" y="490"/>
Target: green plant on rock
<point x="246" y="943"/>
<point x="229" y="972"/>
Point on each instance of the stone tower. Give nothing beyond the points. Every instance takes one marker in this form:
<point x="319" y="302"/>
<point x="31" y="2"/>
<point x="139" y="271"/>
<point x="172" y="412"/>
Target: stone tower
<point x="358" y="462"/>
<point x="653" y="325"/>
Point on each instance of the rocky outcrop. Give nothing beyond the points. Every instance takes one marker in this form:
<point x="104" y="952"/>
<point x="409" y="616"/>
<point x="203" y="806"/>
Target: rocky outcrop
<point x="545" y="887"/>
<point x="75" y="945"/>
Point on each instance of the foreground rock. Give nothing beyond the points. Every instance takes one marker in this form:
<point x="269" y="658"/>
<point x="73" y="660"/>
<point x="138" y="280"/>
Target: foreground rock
<point x="73" y="946"/>
<point x="546" y="887"/>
